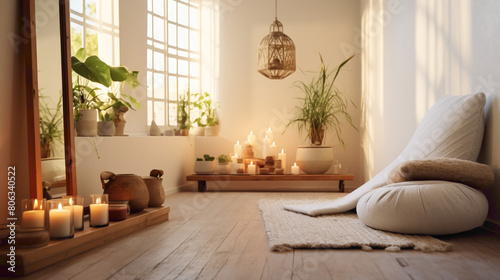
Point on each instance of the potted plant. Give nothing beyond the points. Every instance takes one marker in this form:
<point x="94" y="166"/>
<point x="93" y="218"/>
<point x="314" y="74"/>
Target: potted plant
<point x="183" y="117"/>
<point x="212" y="128"/>
<point x="92" y="69"/>
<point x="51" y="130"/>
<point x="106" y="125"/>
<point x="323" y="108"/>
<point x="204" y="165"/>
<point x="223" y="167"/>
<point x="120" y="104"/>
<point x="200" y="101"/>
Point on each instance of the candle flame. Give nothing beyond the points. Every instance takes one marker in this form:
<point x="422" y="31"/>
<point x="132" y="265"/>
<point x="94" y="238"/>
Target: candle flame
<point x="294" y="164"/>
<point x="274" y="144"/>
<point x="251" y="132"/>
<point x="282" y="151"/>
<point x="238" y="142"/>
<point x="35" y="204"/>
<point x="236" y="154"/>
<point x="266" y="136"/>
<point x="251" y="163"/>
<point x="98" y="201"/>
<point x="59" y="206"/>
<point x="269" y="128"/>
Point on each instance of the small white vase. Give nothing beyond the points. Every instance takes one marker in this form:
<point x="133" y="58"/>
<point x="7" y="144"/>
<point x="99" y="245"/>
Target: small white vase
<point x="154" y="130"/>
<point x="87" y="123"/>
<point x="204" y="167"/>
<point x="106" y="128"/>
<point x="223" y="168"/>
<point x="314" y="159"/>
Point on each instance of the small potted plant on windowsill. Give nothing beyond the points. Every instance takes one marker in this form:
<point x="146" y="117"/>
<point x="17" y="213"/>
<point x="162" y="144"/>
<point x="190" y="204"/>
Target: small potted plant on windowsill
<point x="212" y="128"/>
<point x="183" y="117"/>
<point x="106" y="125"/>
<point x="223" y="166"/>
<point x="204" y="165"/>
<point x="200" y="102"/>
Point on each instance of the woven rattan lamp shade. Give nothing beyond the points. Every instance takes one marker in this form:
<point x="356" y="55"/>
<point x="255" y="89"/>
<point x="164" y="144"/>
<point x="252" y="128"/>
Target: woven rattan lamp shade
<point x="276" y="53"/>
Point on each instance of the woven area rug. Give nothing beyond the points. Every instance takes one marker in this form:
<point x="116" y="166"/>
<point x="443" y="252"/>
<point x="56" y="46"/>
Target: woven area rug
<point x="289" y="230"/>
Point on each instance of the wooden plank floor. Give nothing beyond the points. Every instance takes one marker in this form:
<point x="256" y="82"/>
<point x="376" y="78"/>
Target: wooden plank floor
<point x="221" y="236"/>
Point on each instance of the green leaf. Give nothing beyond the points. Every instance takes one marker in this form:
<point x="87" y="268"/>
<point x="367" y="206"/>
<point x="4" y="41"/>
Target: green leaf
<point x="81" y="54"/>
<point x="93" y="69"/>
<point x="118" y="74"/>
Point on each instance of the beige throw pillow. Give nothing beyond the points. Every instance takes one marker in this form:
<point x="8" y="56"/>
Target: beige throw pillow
<point x="470" y="173"/>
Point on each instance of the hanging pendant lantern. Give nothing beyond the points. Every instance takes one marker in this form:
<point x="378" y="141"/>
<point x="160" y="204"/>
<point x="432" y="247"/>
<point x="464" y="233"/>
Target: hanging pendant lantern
<point x="276" y="56"/>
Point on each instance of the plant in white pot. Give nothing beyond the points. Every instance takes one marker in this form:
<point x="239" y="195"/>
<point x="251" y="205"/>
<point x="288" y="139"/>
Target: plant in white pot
<point x="205" y="165"/>
<point x="200" y="102"/>
<point x="323" y="108"/>
<point x="106" y="125"/>
<point x="223" y="166"/>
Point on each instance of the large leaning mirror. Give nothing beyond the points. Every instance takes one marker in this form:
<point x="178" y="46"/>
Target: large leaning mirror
<point x="52" y="80"/>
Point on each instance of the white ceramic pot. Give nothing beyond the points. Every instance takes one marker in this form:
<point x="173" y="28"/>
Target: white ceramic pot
<point x="314" y="159"/>
<point x="211" y="130"/>
<point x="204" y="167"/>
<point x="87" y="123"/>
<point x="106" y="128"/>
<point x="199" y="131"/>
<point x="223" y="168"/>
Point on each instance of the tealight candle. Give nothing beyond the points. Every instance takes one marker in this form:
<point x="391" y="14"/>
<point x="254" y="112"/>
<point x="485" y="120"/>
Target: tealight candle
<point x="60" y="219"/>
<point x="295" y="169"/>
<point x="270" y="135"/>
<point x="238" y="149"/>
<point x="273" y="150"/>
<point x="99" y="214"/>
<point x="33" y="213"/>
<point x="251" y="138"/>
<point x="282" y="156"/>
<point x="265" y="147"/>
<point x="251" y="168"/>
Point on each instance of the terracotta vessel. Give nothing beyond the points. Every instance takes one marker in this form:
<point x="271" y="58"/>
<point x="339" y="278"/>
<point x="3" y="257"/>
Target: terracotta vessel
<point x="155" y="188"/>
<point x="126" y="187"/>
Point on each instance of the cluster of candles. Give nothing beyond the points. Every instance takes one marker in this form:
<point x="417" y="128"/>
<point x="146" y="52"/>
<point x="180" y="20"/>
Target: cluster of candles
<point x="63" y="216"/>
<point x="268" y="149"/>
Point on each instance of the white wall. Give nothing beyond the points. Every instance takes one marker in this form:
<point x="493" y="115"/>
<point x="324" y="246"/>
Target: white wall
<point x="421" y="51"/>
<point x="250" y="102"/>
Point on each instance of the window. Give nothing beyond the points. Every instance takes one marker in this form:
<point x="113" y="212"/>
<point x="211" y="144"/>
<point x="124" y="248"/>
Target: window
<point x="95" y="26"/>
<point x="173" y="56"/>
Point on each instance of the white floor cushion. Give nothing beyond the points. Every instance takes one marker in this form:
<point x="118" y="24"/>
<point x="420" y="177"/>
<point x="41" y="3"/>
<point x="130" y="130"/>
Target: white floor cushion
<point x="423" y="207"/>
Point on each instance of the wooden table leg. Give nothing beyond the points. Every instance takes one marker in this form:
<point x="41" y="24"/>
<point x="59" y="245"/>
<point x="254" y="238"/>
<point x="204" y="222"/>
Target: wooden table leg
<point x="202" y="186"/>
<point x="341" y="185"/>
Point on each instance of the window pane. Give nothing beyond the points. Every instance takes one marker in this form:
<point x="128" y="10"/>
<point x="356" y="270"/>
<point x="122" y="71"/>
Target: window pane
<point x="76" y="5"/>
<point x="183" y="53"/>
<point x="172" y="114"/>
<point x="183" y="38"/>
<point x="159" y="61"/>
<point x="194" y="85"/>
<point x="159" y="112"/>
<point x="194" y="18"/>
<point x="172" y="34"/>
<point x="159" y="46"/>
<point x="150" y="5"/>
<point x="159" y="90"/>
<point x="158" y="7"/>
<point x="172" y="10"/>
<point x="150" y="111"/>
<point x="172" y="51"/>
<point x="194" y="68"/>
<point x="194" y="41"/>
<point x="91" y="39"/>
<point x="107" y="11"/>
<point x="172" y="88"/>
<point x="76" y="37"/>
<point x="183" y="85"/>
<point x="150" y="26"/>
<point x="91" y="8"/>
<point x="183" y="67"/>
<point x="172" y="65"/>
<point x="158" y="29"/>
<point x="149" y="83"/>
<point x="150" y="59"/>
<point x="182" y="11"/>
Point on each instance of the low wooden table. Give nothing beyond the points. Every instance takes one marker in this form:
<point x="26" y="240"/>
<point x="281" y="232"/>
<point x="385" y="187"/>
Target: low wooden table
<point x="202" y="179"/>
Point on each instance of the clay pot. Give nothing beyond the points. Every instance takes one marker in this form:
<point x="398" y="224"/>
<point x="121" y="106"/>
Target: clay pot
<point x="106" y="128"/>
<point x="314" y="159"/>
<point x="126" y="187"/>
<point x="155" y="188"/>
<point x="87" y="123"/>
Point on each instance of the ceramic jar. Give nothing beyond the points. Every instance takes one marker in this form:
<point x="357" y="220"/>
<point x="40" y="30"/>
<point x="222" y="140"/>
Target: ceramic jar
<point x="128" y="187"/>
<point x="314" y="159"/>
<point x="155" y="188"/>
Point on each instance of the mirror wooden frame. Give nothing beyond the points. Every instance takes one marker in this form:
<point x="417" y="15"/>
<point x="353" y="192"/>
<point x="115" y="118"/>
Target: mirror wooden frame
<point x="34" y="153"/>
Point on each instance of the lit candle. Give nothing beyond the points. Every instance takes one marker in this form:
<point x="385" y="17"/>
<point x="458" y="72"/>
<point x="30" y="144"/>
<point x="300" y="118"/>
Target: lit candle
<point x="34" y="218"/>
<point x="251" y="168"/>
<point x="234" y="159"/>
<point x="273" y="150"/>
<point x="265" y="147"/>
<point x="282" y="156"/>
<point x="99" y="215"/>
<point x="77" y="214"/>
<point x="251" y="138"/>
<point x="60" y="222"/>
<point x="270" y="135"/>
<point x="237" y="148"/>
<point x="295" y="169"/>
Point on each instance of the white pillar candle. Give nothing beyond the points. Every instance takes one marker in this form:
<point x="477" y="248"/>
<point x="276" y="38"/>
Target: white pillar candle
<point x="295" y="169"/>
<point x="282" y="156"/>
<point x="273" y="151"/>
<point x="270" y="135"/>
<point x="251" y="168"/>
<point x="59" y="222"/>
<point x="234" y="159"/>
<point x="238" y="149"/>
<point x="78" y="214"/>
<point x="265" y="147"/>
<point x="34" y="219"/>
<point x="251" y="138"/>
<point x="99" y="215"/>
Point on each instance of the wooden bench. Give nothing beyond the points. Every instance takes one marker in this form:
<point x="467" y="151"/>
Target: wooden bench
<point x="202" y="179"/>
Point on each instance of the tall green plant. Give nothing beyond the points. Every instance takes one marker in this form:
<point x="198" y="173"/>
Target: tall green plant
<point x="183" y="114"/>
<point x="51" y="125"/>
<point x="206" y="106"/>
<point x="323" y="106"/>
